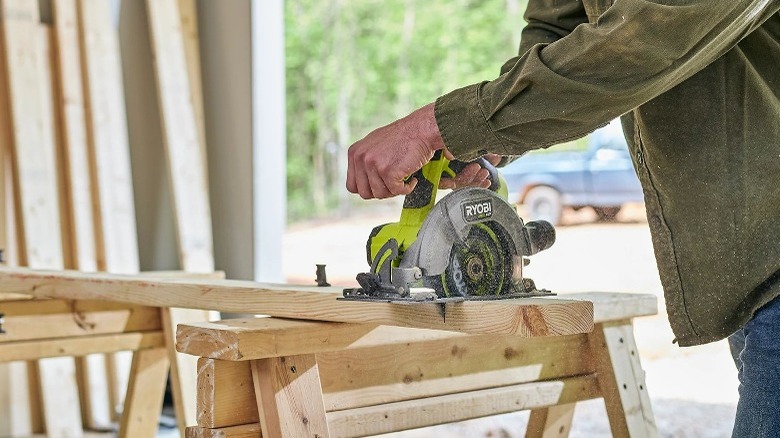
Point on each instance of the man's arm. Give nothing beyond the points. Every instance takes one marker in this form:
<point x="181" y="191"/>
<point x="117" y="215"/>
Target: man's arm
<point x="547" y="21"/>
<point x="560" y="91"/>
<point x="637" y="50"/>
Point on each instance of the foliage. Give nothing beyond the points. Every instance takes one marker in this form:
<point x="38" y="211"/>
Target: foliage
<point x="353" y="65"/>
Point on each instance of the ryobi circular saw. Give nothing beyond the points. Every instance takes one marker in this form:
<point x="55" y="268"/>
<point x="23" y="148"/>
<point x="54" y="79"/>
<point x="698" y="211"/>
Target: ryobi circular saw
<point x="471" y="245"/>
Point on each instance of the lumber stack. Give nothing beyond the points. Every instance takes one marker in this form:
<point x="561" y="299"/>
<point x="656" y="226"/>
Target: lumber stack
<point x="66" y="202"/>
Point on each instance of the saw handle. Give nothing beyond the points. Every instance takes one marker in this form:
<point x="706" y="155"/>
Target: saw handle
<point x="495" y="182"/>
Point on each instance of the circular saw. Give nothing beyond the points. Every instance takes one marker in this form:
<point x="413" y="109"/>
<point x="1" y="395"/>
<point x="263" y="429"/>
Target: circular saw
<point x="471" y="245"/>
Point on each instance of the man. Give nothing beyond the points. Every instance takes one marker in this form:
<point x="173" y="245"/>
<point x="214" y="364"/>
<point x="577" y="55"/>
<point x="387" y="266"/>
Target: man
<point x="697" y="83"/>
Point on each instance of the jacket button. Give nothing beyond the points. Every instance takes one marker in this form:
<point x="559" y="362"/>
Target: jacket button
<point x="640" y="159"/>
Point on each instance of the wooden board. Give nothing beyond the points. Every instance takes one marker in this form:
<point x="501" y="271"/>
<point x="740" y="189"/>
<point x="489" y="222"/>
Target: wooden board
<point x="242" y="431"/>
<point x="396" y="372"/>
<point x="38" y="222"/>
<point x="34" y="319"/>
<point x="550" y="422"/>
<point x="529" y="317"/>
<point x="108" y="139"/>
<point x="109" y="159"/>
<point x="188" y="12"/>
<point x="70" y="101"/>
<point x="184" y="141"/>
<point x="181" y="137"/>
<point x="289" y="397"/>
<point x="450" y="408"/>
<point x="145" y="393"/>
<point x="257" y="338"/>
<point x="622" y="380"/>
<point x="80" y="346"/>
<point x="31" y="103"/>
<point x="226" y="394"/>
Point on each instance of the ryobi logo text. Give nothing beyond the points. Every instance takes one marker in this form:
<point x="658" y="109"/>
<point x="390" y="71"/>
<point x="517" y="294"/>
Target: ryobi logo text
<point x="474" y="211"/>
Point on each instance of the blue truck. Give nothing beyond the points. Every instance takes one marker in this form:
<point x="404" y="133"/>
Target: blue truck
<point x="601" y="176"/>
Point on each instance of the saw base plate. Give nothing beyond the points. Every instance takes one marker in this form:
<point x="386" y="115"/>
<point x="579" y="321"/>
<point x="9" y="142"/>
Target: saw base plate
<point x="427" y="297"/>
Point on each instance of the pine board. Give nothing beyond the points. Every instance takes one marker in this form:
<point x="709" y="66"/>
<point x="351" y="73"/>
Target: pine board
<point x="529" y="317"/>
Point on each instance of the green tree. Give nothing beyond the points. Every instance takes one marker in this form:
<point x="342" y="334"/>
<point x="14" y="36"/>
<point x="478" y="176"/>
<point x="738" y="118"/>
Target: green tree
<point x="353" y="65"/>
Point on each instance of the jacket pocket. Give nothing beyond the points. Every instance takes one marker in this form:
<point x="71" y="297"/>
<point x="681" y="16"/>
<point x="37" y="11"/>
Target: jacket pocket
<point x="594" y="8"/>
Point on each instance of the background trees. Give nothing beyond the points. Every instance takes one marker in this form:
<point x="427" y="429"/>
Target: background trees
<point x="353" y="65"/>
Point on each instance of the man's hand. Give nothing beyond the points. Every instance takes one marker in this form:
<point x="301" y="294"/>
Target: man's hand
<point x="379" y="163"/>
<point x="472" y="175"/>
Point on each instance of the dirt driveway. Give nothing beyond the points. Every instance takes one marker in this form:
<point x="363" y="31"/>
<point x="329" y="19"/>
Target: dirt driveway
<point x="694" y="390"/>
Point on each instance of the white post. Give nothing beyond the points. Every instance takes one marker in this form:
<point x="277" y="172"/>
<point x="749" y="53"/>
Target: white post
<point x="268" y="138"/>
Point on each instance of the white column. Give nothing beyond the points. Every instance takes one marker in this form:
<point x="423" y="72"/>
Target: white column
<point x="268" y="138"/>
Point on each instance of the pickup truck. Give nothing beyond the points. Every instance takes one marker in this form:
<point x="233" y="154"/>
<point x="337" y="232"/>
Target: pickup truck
<point x="601" y="177"/>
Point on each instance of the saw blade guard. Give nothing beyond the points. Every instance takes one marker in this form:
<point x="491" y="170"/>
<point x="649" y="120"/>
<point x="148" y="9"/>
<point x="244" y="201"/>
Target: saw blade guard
<point x="451" y="220"/>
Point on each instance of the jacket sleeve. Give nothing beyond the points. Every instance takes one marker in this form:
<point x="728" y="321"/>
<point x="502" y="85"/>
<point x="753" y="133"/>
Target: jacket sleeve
<point x="547" y="21"/>
<point x="558" y="91"/>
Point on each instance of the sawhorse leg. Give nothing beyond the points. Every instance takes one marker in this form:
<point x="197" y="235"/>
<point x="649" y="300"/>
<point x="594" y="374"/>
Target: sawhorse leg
<point x="622" y="380"/>
<point x="145" y="393"/>
<point x="289" y="397"/>
<point x="552" y="422"/>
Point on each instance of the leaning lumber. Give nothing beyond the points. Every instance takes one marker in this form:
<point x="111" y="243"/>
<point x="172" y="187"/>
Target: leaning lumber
<point x="529" y="317"/>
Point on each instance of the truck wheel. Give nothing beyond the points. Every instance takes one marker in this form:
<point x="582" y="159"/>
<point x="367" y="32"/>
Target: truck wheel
<point x="544" y="203"/>
<point x="607" y="214"/>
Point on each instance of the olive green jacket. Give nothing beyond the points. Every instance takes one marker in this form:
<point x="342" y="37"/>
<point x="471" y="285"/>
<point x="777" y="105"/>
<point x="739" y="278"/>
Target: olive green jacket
<point x="698" y="85"/>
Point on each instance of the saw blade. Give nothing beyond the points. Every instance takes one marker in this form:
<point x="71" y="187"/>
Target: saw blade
<point x="479" y="266"/>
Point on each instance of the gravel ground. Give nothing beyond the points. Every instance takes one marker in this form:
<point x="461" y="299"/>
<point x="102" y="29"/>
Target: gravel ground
<point x="693" y="390"/>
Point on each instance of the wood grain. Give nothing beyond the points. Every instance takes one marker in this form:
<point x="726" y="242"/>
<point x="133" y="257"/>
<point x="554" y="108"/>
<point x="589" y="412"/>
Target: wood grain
<point x="38" y="221"/>
<point x="622" y="380"/>
<point x="289" y="397"/>
<point x="181" y="137"/>
<point x="226" y="394"/>
<point x="107" y="135"/>
<point x="53" y="319"/>
<point x="77" y="180"/>
<point x="145" y="393"/>
<point x="449" y="408"/>
<point x="550" y="316"/>
<point x="80" y="346"/>
<point x="257" y="338"/>
<point x="241" y="431"/>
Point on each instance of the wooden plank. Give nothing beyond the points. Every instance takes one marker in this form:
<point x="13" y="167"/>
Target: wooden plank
<point x="14" y="417"/>
<point x="15" y="412"/>
<point x="391" y="373"/>
<point x="183" y="368"/>
<point x="32" y="137"/>
<point x="109" y="158"/>
<point x="38" y="215"/>
<point x="107" y="137"/>
<point x="530" y="317"/>
<point x="226" y="394"/>
<point x="70" y="102"/>
<point x="74" y="318"/>
<point x="622" y="380"/>
<point x="79" y="346"/>
<point x="400" y="371"/>
<point x="614" y="306"/>
<point x="450" y="408"/>
<point x="181" y="137"/>
<point x="241" y="431"/>
<point x="145" y="393"/>
<point x="188" y="12"/>
<point x="550" y="422"/>
<point x="259" y="338"/>
<point x="289" y="397"/>
<point x="185" y="150"/>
